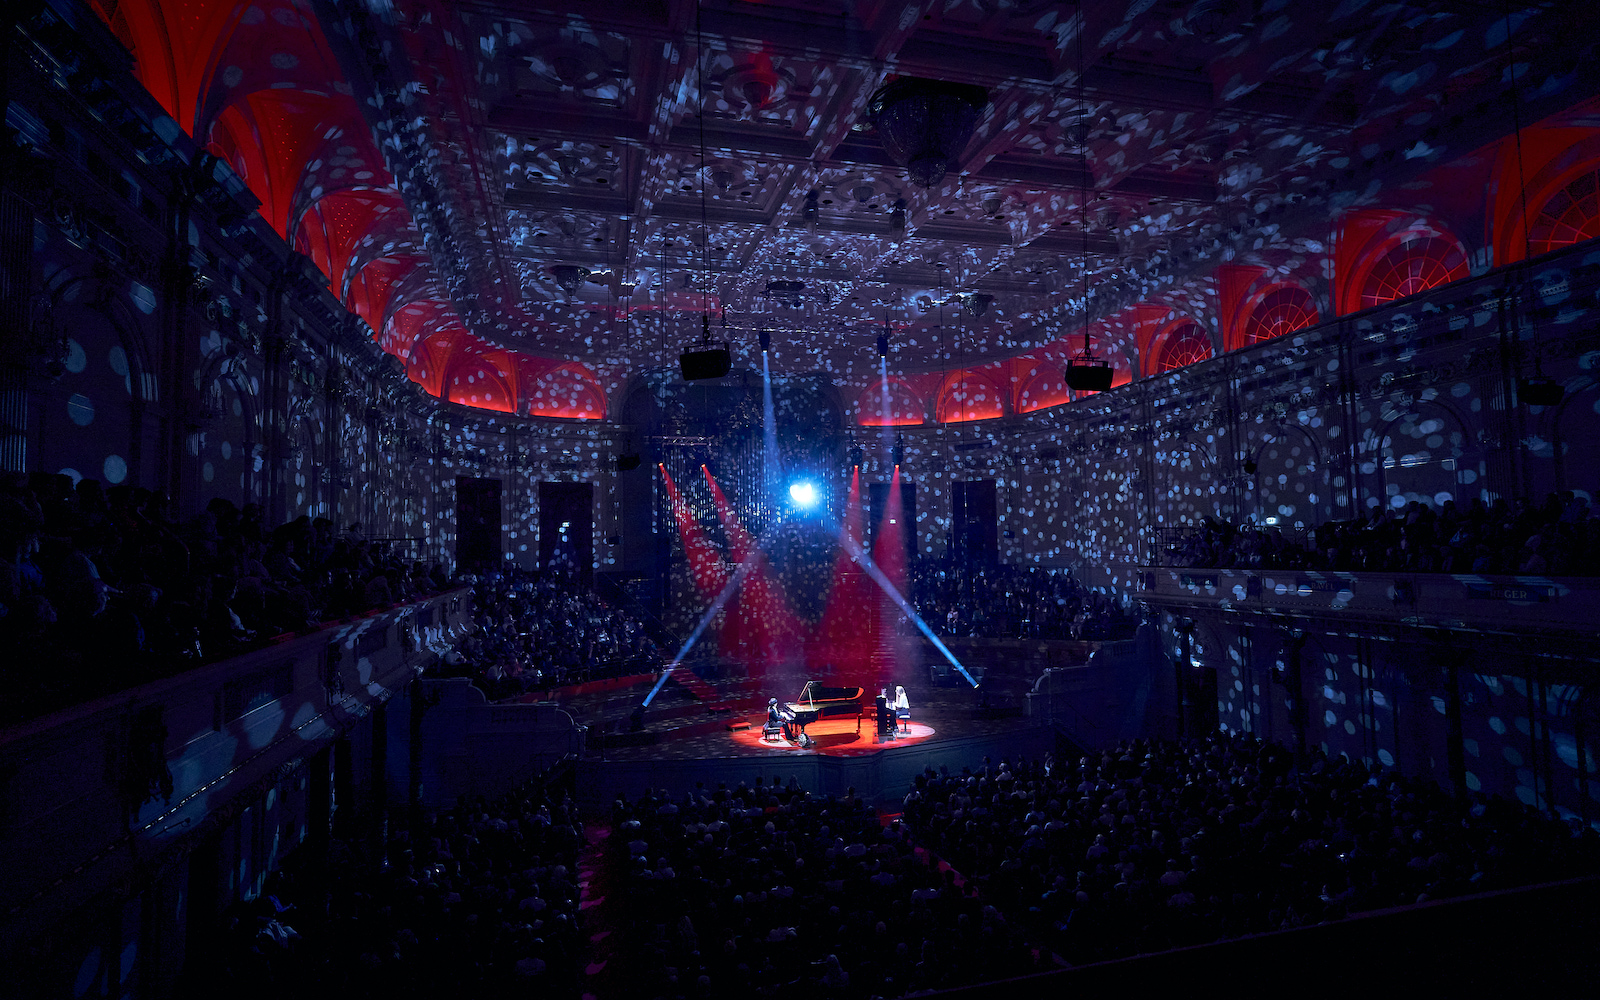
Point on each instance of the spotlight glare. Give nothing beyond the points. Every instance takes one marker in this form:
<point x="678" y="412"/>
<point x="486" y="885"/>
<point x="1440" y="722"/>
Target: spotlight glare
<point x="803" y="494"/>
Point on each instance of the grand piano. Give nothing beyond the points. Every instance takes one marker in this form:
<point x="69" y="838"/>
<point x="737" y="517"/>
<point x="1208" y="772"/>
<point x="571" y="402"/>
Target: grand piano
<point x="818" y="701"/>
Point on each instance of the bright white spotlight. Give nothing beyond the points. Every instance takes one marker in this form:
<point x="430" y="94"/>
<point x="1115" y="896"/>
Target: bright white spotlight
<point x="803" y="494"/>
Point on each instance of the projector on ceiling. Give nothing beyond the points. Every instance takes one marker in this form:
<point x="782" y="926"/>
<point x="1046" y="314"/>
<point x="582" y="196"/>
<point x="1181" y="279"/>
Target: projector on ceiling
<point x="710" y="363"/>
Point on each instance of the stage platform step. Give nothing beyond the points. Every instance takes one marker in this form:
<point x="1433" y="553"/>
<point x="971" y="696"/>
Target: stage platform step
<point x="714" y="700"/>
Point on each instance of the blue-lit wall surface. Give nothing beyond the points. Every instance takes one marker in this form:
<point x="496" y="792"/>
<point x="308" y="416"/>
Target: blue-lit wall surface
<point x="1412" y="401"/>
<point x="161" y="334"/>
<point x="157" y="332"/>
<point x="128" y="823"/>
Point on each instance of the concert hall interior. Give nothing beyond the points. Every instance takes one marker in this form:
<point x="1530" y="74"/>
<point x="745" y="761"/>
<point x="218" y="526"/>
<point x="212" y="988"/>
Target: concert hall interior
<point x="843" y="498"/>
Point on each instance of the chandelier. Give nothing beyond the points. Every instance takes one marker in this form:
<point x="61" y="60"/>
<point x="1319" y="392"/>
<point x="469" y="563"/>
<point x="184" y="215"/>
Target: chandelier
<point x="925" y="124"/>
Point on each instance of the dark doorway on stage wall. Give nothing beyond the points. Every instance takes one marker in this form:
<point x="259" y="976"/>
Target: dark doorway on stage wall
<point x="566" y="529"/>
<point x="975" y="534"/>
<point x="878" y="499"/>
<point x="478" y="524"/>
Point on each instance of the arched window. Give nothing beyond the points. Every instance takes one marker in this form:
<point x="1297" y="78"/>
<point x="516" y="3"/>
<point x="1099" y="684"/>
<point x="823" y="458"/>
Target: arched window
<point x="969" y="396"/>
<point x="1282" y="310"/>
<point x="1411" y="267"/>
<point x="1183" y="346"/>
<point x="1572" y="215"/>
<point x="1044" y="387"/>
<point x="904" y="406"/>
<point x="569" y="390"/>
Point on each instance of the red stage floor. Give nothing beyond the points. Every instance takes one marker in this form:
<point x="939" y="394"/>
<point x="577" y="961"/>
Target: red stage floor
<point x="832" y="737"/>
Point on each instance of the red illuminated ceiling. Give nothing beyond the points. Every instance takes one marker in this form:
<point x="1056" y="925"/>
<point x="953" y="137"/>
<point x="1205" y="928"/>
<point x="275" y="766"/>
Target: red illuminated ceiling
<point x="1247" y="168"/>
<point x="258" y="84"/>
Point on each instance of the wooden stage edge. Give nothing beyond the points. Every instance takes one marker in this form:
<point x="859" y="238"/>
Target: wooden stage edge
<point x="882" y="774"/>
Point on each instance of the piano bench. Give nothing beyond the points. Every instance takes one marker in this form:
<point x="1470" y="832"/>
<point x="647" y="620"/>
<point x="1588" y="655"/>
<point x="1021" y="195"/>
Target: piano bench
<point x="738" y="727"/>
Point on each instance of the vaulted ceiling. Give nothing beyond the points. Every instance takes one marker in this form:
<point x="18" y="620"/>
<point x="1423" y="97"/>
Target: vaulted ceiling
<point x="671" y="149"/>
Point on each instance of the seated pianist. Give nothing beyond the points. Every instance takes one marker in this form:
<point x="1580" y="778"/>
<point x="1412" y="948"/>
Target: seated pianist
<point x="779" y="717"/>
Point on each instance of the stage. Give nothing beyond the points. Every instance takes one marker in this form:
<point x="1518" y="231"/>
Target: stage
<point x="682" y="745"/>
<point x="839" y="737"/>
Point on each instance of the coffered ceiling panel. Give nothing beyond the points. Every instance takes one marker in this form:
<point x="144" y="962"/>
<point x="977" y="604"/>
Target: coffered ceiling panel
<point x="723" y="156"/>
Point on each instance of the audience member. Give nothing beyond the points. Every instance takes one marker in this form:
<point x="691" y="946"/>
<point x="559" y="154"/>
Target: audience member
<point x="100" y="590"/>
<point x="541" y="631"/>
<point x="1005" y="601"/>
<point x="1153" y="845"/>
<point x="1560" y="537"/>
<point x="761" y="890"/>
<point x="479" y="900"/>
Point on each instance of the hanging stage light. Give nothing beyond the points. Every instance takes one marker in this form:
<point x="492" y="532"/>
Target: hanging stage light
<point x="804" y="494"/>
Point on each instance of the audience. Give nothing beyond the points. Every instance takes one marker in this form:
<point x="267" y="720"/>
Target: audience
<point x="1011" y="602"/>
<point x="768" y="891"/>
<point x="541" y="631"/>
<point x="101" y="585"/>
<point x="992" y="873"/>
<point x="479" y="900"/>
<point x="1153" y="845"/>
<point x="1560" y="537"/>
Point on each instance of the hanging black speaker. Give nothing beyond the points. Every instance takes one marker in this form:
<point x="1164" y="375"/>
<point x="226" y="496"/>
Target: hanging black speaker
<point x="695" y="365"/>
<point x="1540" y="390"/>
<point x="1091" y="375"/>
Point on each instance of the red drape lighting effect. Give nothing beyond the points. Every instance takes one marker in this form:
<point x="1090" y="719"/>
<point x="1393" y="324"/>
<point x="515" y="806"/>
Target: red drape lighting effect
<point x="846" y="636"/>
<point x="889" y="552"/>
<point x="856" y="642"/>
<point x="706" y="567"/>
<point x="759" y="627"/>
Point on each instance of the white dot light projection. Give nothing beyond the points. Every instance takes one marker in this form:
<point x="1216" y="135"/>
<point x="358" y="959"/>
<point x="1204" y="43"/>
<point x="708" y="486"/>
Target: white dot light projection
<point x="1309" y="265"/>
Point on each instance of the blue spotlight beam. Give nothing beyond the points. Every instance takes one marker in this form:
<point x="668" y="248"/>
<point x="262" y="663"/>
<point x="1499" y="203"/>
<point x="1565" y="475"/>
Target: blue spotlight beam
<point x="878" y="577"/>
<point x="705" y="619"/>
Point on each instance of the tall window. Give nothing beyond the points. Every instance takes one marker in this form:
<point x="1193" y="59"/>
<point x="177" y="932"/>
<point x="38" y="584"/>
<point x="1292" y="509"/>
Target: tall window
<point x="1572" y="215"/>
<point x="1284" y="309"/>
<point x="1182" y="347"/>
<point x="1411" y="267"/>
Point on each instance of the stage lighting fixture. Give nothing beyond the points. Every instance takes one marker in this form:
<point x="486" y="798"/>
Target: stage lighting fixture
<point x="765" y="340"/>
<point x="803" y="494"/>
<point x="883" y="345"/>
